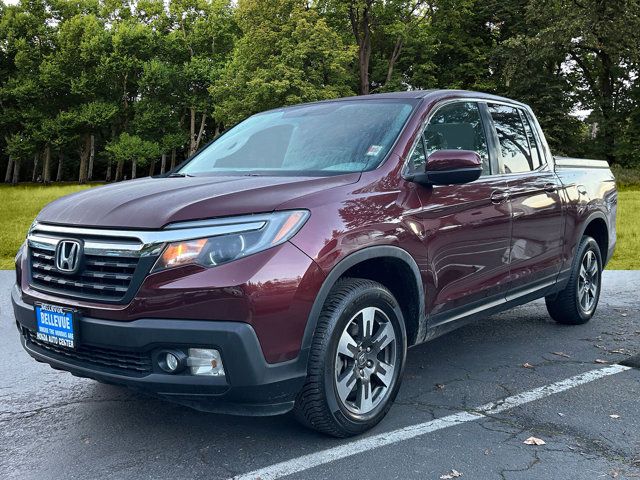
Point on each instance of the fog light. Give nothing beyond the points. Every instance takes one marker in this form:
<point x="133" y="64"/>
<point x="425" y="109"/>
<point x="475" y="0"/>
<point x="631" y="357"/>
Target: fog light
<point x="172" y="361"/>
<point x="204" y="361"/>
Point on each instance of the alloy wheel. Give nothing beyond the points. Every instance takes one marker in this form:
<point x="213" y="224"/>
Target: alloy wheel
<point x="588" y="281"/>
<point x="365" y="361"/>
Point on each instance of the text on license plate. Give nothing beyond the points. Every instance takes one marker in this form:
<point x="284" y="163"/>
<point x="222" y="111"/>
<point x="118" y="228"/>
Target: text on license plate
<point x="55" y="325"/>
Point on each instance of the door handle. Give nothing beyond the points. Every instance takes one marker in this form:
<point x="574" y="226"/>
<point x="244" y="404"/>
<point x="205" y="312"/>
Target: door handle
<point x="499" y="196"/>
<point x="550" y="187"/>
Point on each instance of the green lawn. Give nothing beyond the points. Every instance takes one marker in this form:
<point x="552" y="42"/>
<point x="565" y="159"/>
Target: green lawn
<point x="19" y="206"/>
<point x="627" y="254"/>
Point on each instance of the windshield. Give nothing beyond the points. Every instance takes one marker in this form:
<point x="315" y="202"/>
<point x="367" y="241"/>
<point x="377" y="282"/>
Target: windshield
<point x="320" y="139"/>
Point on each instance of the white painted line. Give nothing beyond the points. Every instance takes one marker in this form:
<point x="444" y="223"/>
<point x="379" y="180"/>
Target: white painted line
<point x="305" y="462"/>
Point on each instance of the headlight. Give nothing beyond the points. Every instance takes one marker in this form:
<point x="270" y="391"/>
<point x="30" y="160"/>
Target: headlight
<point x="212" y="251"/>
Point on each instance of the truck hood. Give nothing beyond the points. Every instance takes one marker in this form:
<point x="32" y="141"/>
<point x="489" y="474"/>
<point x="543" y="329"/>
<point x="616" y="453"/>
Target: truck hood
<point x="152" y="203"/>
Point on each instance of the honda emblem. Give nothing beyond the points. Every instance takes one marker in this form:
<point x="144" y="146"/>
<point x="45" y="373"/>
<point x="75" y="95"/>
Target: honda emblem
<point x="68" y="253"/>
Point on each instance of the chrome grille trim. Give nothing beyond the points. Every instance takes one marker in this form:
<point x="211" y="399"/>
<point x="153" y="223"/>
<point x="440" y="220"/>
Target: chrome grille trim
<point x="149" y="241"/>
<point x="116" y="261"/>
<point x="99" y="277"/>
<point x="110" y="249"/>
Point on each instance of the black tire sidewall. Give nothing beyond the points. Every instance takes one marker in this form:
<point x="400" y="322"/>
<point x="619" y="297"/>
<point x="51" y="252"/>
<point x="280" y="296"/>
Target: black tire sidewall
<point x="366" y="297"/>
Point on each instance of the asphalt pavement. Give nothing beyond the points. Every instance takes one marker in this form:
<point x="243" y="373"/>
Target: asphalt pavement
<point x="56" y="426"/>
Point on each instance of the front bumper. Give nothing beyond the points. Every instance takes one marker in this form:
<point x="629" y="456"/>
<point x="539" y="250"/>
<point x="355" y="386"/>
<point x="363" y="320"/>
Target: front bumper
<point x="251" y="386"/>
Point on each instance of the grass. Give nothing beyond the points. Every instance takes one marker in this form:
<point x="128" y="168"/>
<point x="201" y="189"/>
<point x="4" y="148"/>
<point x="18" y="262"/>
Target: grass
<point x="627" y="254"/>
<point x="20" y="205"/>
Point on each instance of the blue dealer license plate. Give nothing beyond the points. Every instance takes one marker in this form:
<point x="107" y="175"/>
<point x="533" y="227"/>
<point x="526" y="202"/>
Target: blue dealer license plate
<point x="55" y="325"/>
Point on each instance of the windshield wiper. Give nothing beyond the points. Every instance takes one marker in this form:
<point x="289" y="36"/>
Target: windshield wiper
<point x="180" y="174"/>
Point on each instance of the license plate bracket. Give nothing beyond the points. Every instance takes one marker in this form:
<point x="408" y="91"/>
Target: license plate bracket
<point x="56" y="325"/>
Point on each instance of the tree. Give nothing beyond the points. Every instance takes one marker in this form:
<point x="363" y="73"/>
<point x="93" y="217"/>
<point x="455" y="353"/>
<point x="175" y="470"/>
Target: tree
<point x="600" y="39"/>
<point x="77" y="75"/>
<point x="199" y="47"/>
<point x="131" y="148"/>
<point x="288" y="55"/>
<point x="20" y="148"/>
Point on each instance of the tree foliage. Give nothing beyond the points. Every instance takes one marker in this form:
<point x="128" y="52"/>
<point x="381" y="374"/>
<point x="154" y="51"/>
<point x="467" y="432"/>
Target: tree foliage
<point x="103" y="89"/>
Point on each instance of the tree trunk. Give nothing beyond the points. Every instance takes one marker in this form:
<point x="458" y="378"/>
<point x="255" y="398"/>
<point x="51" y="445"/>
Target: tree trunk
<point x="192" y="132"/>
<point x="200" y="133"/>
<point x="46" y="165"/>
<point x="92" y="155"/>
<point x="84" y="157"/>
<point x="608" y="108"/>
<point x="361" y="27"/>
<point x="16" y="173"/>
<point x="60" y="162"/>
<point x="108" y="177"/>
<point x="397" y="48"/>
<point x="152" y="168"/>
<point x="36" y="157"/>
<point x="163" y="163"/>
<point x="119" y="169"/>
<point x="173" y="159"/>
<point x="133" y="169"/>
<point x="7" y="176"/>
<point x="364" y="55"/>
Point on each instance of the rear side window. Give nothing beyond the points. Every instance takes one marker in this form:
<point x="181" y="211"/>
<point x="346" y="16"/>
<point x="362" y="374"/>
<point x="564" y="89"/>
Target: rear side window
<point x="515" y="154"/>
<point x="458" y="126"/>
<point x="536" y="151"/>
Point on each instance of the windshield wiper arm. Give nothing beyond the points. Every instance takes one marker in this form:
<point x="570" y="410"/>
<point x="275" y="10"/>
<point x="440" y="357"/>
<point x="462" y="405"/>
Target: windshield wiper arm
<point x="180" y="174"/>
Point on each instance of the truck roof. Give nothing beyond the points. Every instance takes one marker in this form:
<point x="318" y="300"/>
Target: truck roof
<point x="432" y="95"/>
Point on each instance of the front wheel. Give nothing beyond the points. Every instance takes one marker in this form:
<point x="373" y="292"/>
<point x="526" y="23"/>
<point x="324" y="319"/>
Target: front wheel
<point x="356" y="360"/>
<point x="577" y="303"/>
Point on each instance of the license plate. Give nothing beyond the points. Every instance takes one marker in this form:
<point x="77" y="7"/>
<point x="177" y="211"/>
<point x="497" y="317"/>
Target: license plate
<point x="55" y="325"/>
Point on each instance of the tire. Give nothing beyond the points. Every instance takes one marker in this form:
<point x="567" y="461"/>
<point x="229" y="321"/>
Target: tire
<point x="355" y="367"/>
<point x="570" y="306"/>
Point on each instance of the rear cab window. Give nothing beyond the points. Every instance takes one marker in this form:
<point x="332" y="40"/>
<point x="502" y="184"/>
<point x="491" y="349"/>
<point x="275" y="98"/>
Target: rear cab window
<point x="519" y="150"/>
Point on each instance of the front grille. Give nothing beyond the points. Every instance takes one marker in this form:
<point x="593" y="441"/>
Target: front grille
<point x="99" y="277"/>
<point x="130" y="362"/>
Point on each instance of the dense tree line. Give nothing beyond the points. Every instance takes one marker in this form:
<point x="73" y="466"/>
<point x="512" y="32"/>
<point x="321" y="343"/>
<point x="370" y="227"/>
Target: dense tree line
<point x="113" y="89"/>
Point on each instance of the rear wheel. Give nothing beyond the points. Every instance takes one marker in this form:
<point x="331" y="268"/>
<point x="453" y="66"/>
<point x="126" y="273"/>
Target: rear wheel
<point x="577" y="303"/>
<point x="356" y="360"/>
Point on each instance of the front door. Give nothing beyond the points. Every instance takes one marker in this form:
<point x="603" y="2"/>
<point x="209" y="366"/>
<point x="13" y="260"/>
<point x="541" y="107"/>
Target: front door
<point x="466" y="227"/>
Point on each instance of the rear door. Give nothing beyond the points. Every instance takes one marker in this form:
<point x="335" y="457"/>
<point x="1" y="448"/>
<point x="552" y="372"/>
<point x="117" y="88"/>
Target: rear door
<point x="535" y="255"/>
<point x="466" y="227"/>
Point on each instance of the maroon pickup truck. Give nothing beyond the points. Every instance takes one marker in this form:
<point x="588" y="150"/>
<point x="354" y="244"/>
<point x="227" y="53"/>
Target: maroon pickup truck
<point x="290" y="263"/>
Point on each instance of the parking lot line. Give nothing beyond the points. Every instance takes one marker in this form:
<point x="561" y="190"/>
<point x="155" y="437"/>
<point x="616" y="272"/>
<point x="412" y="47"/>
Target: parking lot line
<point x="305" y="462"/>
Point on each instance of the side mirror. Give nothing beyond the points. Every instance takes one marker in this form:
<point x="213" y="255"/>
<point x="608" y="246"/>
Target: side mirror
<point x="450" y="167"/>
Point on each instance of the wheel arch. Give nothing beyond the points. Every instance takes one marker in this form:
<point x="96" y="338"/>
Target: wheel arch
<point x="409" y="291"/>
<point x="596" y="227"/>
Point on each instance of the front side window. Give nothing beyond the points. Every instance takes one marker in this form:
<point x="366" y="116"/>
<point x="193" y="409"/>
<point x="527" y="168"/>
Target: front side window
<point x="458" y="126"/>
<point x="317" y="139"/>
<point x="418" y="158"/>
<point x="515" y="154"/>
